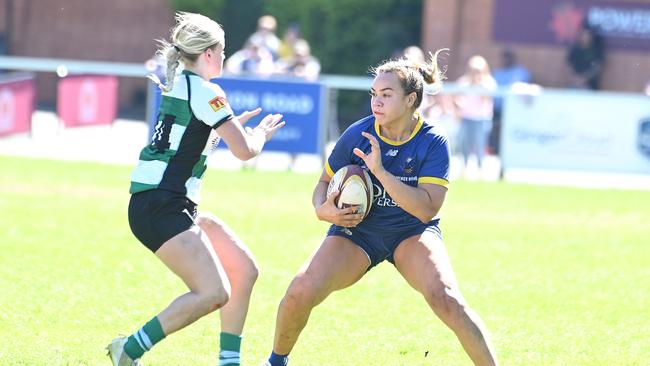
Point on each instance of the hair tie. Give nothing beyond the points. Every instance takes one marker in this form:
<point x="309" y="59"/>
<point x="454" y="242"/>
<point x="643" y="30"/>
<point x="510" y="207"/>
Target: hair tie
<point x="176" y="48"/>
<point x="421" y="69"/>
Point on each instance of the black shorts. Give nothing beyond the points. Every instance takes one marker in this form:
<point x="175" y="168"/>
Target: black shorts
<point x="157" y="215"/>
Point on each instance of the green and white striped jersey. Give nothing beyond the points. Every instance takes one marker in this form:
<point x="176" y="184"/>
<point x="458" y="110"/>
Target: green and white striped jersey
<point x="185" y="135"/>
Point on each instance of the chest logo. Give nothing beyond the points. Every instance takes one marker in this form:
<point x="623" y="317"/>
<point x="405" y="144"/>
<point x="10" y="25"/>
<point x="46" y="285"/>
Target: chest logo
<point x="392" y="152"/>
<point x="409" y="166"/>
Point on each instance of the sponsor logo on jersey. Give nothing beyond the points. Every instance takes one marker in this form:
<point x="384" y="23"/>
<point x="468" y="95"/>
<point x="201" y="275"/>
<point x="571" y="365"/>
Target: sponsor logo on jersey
<point x="381" y="198"/>
<point x="392" y="152"/>
<point x="217" y="103"/>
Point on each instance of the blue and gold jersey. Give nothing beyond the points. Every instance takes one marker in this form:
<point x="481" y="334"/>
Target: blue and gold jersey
<point x="423" y="158"/>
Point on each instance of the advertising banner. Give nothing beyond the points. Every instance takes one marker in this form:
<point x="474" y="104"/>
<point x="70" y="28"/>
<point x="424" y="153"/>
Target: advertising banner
<point x="583" y="131"/>
<point x="17" y="97"/>
<point x="299" y="102"/>
<point x="623" y="24"/>
<point x="87" y="100"/>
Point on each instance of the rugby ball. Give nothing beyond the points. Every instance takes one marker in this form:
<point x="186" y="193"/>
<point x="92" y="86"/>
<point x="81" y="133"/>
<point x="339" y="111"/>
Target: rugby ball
<point x="354" y="186"/>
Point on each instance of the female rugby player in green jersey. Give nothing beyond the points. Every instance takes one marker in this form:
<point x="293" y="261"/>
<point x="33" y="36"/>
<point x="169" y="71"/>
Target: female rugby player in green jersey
<point x="408" y="160"/>
<point x="202" y="250"/>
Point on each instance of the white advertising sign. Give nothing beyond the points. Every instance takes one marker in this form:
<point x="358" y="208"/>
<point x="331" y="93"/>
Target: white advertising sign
<point x="579" y="131"/>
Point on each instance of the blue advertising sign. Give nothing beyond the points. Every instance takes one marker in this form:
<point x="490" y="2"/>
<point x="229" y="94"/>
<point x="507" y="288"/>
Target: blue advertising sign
<point x="299" y="102"/>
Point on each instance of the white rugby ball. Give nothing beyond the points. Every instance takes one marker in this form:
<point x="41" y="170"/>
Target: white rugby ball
<point x="354" y="186"/>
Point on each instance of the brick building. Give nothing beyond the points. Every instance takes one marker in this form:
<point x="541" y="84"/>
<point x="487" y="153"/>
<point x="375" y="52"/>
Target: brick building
<point x="98" y="30"/>
<point x="467" y="27"/>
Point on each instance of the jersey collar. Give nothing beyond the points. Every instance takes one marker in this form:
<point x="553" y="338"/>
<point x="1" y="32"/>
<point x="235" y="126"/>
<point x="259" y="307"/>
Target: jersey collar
<point x="418" y="125"/>
<point x="188" y="72"/>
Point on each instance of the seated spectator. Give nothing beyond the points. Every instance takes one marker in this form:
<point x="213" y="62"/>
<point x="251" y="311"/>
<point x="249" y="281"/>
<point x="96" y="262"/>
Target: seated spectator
<point x="265" y="35"/>
<point x="289" y="38"/>
<point x="253" y="59"/>
<point x="303" y="64"/>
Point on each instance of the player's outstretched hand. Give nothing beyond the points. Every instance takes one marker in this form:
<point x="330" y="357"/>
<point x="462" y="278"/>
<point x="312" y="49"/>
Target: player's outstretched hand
<point x="269" y="125"/>
<point x="346" y="217"/>
<point x="247" y="115"/>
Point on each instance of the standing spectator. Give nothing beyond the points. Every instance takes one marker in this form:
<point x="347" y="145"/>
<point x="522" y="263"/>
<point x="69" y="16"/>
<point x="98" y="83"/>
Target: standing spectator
<point x="476" y="107"/>
<point x="414" y="54"/>
<point x="265" y="35"/>
<point x="510" y="73"/>
<point x="441" y="109"/>
<point x="586" y="58"/>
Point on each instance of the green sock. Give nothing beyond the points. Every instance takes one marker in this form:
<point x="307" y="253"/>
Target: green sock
<point x="144" y="339"/>
<point x="229" y="353"/>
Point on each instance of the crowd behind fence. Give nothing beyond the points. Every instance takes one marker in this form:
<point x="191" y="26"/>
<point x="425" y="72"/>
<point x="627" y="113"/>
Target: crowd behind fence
<point x="541" y="128"/>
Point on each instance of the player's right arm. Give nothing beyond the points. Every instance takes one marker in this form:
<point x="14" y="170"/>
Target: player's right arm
<point x="248" y="143"/>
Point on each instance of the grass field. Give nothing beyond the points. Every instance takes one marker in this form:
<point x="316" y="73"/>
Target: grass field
<point x="561" y="276"/>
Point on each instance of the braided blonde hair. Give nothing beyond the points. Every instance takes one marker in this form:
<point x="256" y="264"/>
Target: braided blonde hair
<point x="192" y="35"/>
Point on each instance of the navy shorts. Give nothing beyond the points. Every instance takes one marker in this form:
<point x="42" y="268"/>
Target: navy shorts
<point x="381" y="245"/>
<point x="157" y="215"/>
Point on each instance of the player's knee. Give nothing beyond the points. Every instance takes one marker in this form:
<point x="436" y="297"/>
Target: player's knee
<point x="248" y="274"/>
<point x="215" y="298"/>
<point x="299" y="295"/>
<point x="447" y="302"/>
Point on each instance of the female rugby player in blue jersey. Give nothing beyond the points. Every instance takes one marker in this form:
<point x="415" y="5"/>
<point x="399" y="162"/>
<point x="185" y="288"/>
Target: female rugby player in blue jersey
<point x="408" y="159"/>
<point x="202" y="250"/>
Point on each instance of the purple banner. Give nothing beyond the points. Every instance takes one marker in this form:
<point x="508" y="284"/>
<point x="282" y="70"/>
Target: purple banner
<point x="624" y="25"/>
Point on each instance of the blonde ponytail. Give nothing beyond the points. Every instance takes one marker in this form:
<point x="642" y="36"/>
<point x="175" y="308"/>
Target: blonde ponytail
<point x="192" y="35"/>
<point x="172" y="56"/>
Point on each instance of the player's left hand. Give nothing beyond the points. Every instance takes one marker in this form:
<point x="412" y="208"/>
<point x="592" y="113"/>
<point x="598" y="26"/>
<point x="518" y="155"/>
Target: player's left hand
<point x="373" y="159"/>
<point x="246" y="115"/>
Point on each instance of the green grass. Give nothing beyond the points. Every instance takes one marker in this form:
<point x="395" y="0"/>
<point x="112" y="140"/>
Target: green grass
<point x="561" y="276"/>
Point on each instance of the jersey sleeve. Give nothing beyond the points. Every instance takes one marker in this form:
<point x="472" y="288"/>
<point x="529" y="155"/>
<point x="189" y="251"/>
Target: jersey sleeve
<point x="210" y="105"/>
<point x="342" y="152"/>
<point x="435" y="168"/>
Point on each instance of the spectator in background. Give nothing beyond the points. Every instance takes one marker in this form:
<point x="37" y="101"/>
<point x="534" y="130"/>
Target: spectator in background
<point x="414" y="54"/>
<point x="586" y="58"/>
<point x="253" y="59"/>
<point x="510" y="73"/>
<point x="441" y="109"/>
<point x="302" y="64"/>
<point x="265" y="35"/>
<point x="289" y="39"/>
<point x="476" y="107"/>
